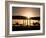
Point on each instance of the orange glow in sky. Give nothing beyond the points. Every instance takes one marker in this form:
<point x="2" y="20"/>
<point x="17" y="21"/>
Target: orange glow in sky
<point x="24" y="11"/>
<point x="27" y="12"/>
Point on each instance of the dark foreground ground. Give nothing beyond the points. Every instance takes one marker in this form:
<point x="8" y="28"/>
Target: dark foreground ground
<point x="22" y="28"/>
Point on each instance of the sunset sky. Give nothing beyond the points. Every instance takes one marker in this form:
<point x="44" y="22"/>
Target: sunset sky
<point x="26" y="11"/>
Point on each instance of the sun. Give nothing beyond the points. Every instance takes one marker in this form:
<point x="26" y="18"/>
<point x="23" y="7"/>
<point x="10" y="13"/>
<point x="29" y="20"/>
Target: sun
<point x="28" y="16"/>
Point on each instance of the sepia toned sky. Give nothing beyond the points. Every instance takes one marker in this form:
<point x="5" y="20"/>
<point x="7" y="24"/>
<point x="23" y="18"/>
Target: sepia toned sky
<point x="25" y="11"/>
